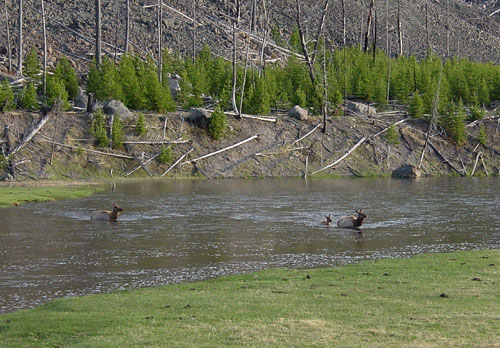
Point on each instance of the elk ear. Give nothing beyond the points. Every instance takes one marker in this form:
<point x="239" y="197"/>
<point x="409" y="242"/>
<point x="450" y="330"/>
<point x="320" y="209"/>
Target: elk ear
<point x="357" y="211"/>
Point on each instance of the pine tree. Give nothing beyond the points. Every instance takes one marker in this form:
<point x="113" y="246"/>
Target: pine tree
<point x="65" y="72"/>
<point x="133" y="96"/>
<point x="482" y="137"/>
<point x="28" y="100"/>
<point x="294" y="41"/>
<point x="93" y="78"/>
<point x="259" y="100"/>
<point x="6" y="96"/>
<point x="476" y="113"/>
<point x="56" y="89"/>
<point x="166" y="155"/>
<point x="98" y="129"/>
<point x="117" y="134"/>
<point x="31" y="64"/>
<point x="276" y="35"/>
<point x="392" y="135"/>
<point x="109" y="85"/>
<point x="416" y="107"/>
<point x="140" y="126"/>
<point x="453" y="123"/>
<point x="217" y="124"/>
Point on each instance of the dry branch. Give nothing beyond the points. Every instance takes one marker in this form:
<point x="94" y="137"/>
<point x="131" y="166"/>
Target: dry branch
<point x="281" y="152"/>
<point x="446" y="160"/>
<point x="157" y="142"/>
<point x="344" y="156"/>
<point x="222" y="150"/>
<point x="307" y="134"/>
<point x="143" y="165"/>
<point x="177" y="162"/>
<point x="91" y="151"/>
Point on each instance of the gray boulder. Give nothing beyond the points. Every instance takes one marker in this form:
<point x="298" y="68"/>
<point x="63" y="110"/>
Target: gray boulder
<point x="198" y="117"/>
<point x="298" y="113"/>
<point x="407" y="171"/>
<point x="81" y="102"/>
<point x="174" y="86"/>
<point x="360" y="108"/>
<point x="116" y="107"/>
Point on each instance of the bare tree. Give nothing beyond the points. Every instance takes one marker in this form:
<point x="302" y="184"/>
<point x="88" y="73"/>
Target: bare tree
<point x="98" y="47"/>
<point x="235" y="107"/>
<point x="368" y="25"/>
<point x="44" y="33"/>
<point x="344" y="55"/>
<point x="400" y="30"/>
<point x="9" y="48"/>
<point x="20" y="39"/>
<point x="127" y="26"/>
<point x="266" y="33"/>
<point x="447" y="29"/>
<point x="194" y="31"/>
<point x="427" y="34"/>
<point x="325" y="86"/>
<point x="159" y="29"/>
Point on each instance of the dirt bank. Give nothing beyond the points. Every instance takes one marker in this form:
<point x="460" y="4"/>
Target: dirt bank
<point x="275" y="151"/>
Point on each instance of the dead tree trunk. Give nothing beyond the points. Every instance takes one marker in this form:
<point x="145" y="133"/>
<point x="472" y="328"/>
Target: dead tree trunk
<point x="235" y="107"/>
<point x="400" y="31"/>
<point x="194" y="31"/>
<point x="20" y="39"/>
<point x="6" y="149"/>
<point x="325" y="88"/>
<point x="98" y="47"/>
<point x="127" y="26"/>
<point x="447" y="29"/>
<point x="266" y="33"/>
<point x="427" y="33"/>
<point x="9" y="48"/>
<point x="44" y="33"/>
<point x="160" y="20"/>
<point x="368" y="25"/>
<point x="344" y="55"/>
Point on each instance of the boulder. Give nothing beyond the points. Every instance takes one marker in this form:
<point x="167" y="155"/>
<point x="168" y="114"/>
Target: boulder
<point x="116" y="107"/>
<point x="407" y="171"/>
<point x="298" y="113"/>
<point x="361" y="108"/>
<point x="81" y="102"/>
<point x="198" y="117"/>
<point x="174" y="86"/>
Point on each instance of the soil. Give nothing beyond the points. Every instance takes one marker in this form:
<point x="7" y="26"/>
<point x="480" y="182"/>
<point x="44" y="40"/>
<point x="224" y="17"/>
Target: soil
<point x="272" y="154"/>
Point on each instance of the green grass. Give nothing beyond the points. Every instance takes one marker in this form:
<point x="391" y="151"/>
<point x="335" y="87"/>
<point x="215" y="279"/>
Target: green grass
<point x="387" y="303"/>
<point x="10" y="196"/>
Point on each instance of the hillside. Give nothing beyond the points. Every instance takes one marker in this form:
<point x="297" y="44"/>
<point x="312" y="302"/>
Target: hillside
<point x="474" y="33"/>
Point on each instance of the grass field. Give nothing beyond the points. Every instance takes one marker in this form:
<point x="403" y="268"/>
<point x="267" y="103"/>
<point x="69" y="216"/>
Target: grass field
<point x="432" y="300"/>
<point x="10" y="196"/>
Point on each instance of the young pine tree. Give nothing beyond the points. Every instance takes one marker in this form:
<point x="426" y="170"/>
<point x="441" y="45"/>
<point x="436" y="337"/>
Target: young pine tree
<point x="416" y="107"/>
<point x="109" y="83"/>
<point x="56" y="89"/>
<point x="453" y="123"/>
<point x="482" y="137"/>
<point x="117" y="134"/>
<point x="140" y="126"/>
<point x="392" y="135"/>
<point x="66" y="73"/>
<point x="31" y="64"/>
<point x="28" y="100"/>
<point x="93" y="78"/>
<point x="6" y="96"/>
<point x="98" y="129"/>
<point x="166" y="155"/>
<point x="132" y="93"/>
<point x="217" y="124"/>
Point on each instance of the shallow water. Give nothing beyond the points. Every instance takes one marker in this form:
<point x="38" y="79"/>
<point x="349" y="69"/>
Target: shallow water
<point x="179" y="231"/>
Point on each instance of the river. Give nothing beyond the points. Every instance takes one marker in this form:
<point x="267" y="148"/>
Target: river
<point x="187" y="230"/>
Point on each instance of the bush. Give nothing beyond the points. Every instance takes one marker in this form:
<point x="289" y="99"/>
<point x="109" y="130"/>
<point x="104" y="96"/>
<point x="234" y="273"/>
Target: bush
<point x="56" y="89"/>
<point x="166" y="155"/>
<point x="140" y="126"/>
<point x="31" y="65"/>
<point x="117" y="134"/>
<point x="28" y="100"/>
<point x="482" y="137"/>
<point x="476" y="113"/>
<point x="392" y="135"/>
<point x="6" y="96"/>
<point x="98" y="129"/>
<point x="65" y="73"/>
<point x="417" y="107"/>
<point x="217" y="124"/>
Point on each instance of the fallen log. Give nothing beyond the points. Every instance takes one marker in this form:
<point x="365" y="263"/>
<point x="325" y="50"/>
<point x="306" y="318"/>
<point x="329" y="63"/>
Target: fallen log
<point x="344" y="156"/>
<point x="91" y="151"/>
<point x="221" y="150"/>
<point x="475" y="164"/>
<point x="445" y="159"/>
<point x="177" y="162"/>
<point x="143" y="165"/>
<point x="307" y="134"/>
<point x="281" y="152"/>
<point x="157" y="142"/>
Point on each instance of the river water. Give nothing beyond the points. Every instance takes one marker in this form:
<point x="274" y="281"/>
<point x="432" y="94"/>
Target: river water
<point x="185" y="230"/>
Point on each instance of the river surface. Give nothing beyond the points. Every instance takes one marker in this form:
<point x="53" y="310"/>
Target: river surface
<point x="185" y="230"/>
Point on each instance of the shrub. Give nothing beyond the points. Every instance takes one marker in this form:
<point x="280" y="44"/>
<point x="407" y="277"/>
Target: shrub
<point x="392" y="135"/>
<point x="417" y="107"/>
<point x="56" y="89"/>
<point x="217" y="124"/>
<point x="117" y="134"/>
<point x="482" y="137"/>
<point x="31" y="65"/>
<point x="140" y="126"/>
<point x="6" y="96"/>
<point x="65" y="72"/>
<point x="476" y="113"/>
<point x="98" y="129"/>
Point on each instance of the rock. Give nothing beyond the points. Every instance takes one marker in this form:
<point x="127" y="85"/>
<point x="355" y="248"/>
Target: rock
<point x="407" y="171"/>
<point x="81" y="102"/>
<point x="198" y="117"/>
<point x="361" y="108"/>
<point x="116" y="107"/>
<point x="174" y="86"/>
<point x="298" y="113"/>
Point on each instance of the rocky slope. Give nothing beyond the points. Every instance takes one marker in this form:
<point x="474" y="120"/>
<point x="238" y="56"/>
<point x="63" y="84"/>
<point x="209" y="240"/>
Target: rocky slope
<point x="473" y="32"/>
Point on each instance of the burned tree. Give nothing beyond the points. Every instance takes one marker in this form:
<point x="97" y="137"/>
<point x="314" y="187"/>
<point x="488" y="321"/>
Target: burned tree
<point x="98" y="32"/>
<point x="20" y="39"/>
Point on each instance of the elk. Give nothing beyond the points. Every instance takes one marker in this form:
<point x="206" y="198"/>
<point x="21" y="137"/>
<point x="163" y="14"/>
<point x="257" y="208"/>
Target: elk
<point x="352" y="221"/>
<point x="106" y="215"/>
<point x="328" y="220"/>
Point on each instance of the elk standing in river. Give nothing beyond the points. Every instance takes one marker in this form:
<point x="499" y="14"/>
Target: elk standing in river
<point x="352" y="221"/>
<point x="106" y="215"/>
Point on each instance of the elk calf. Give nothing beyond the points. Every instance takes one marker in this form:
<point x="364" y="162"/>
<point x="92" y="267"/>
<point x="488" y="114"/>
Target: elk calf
<point x="106" y="215"/>
<point x="328" y="220"/>
<point x="352" y="221"/>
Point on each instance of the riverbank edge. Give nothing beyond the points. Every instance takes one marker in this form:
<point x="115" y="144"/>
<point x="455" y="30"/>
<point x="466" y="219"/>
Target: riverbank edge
<point x="437" y="300"/>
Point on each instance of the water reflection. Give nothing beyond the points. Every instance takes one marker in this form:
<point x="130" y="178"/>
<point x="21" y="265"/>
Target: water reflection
<point x="177" y="231"/>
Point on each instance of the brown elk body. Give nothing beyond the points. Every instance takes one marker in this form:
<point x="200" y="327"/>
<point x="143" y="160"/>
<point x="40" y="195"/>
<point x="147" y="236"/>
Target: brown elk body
<point x="328" y="220"/>
<point x="106" y="215"/>
<point x="352" y="221"/>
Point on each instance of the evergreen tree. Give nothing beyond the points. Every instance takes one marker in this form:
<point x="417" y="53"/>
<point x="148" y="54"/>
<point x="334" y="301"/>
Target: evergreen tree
<point x="185" y="89"/>
<point x="140" y="126"/>
<point x="31" y="64"/>
<point x="166" y="155"/>
<point x="56" y="89"/>
<point x="93" y="78"/>
<point x="28" y="100"/>
<point x="476" y="113"/>
<point x="482" y="137"/>
<point x="416" y="107"/>
<point x="217" y="124"/>
<point x="259" y="100"/>
<point x="294" y="41"/>
<point x="98" y="129"/>
<point x="65" y="72"/>
<point x="133" y="96"/>
<point x="117" y="134"/>
<point x="6" y="95"/>
<point x="299" y="98"/>
<point x="453" y="123"/>
<point x="276" y="35"/>
<point x="109" y="83"/>
<point x="392" y="135"/>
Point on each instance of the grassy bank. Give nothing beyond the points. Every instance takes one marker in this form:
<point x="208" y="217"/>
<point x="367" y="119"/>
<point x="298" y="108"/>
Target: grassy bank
<point x="433" y="300"/>
<point x="10" y="196"/>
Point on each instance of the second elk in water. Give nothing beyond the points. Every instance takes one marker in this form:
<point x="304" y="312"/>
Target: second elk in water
<point x="106" y="215"/>
<point x="352" y="221"/>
